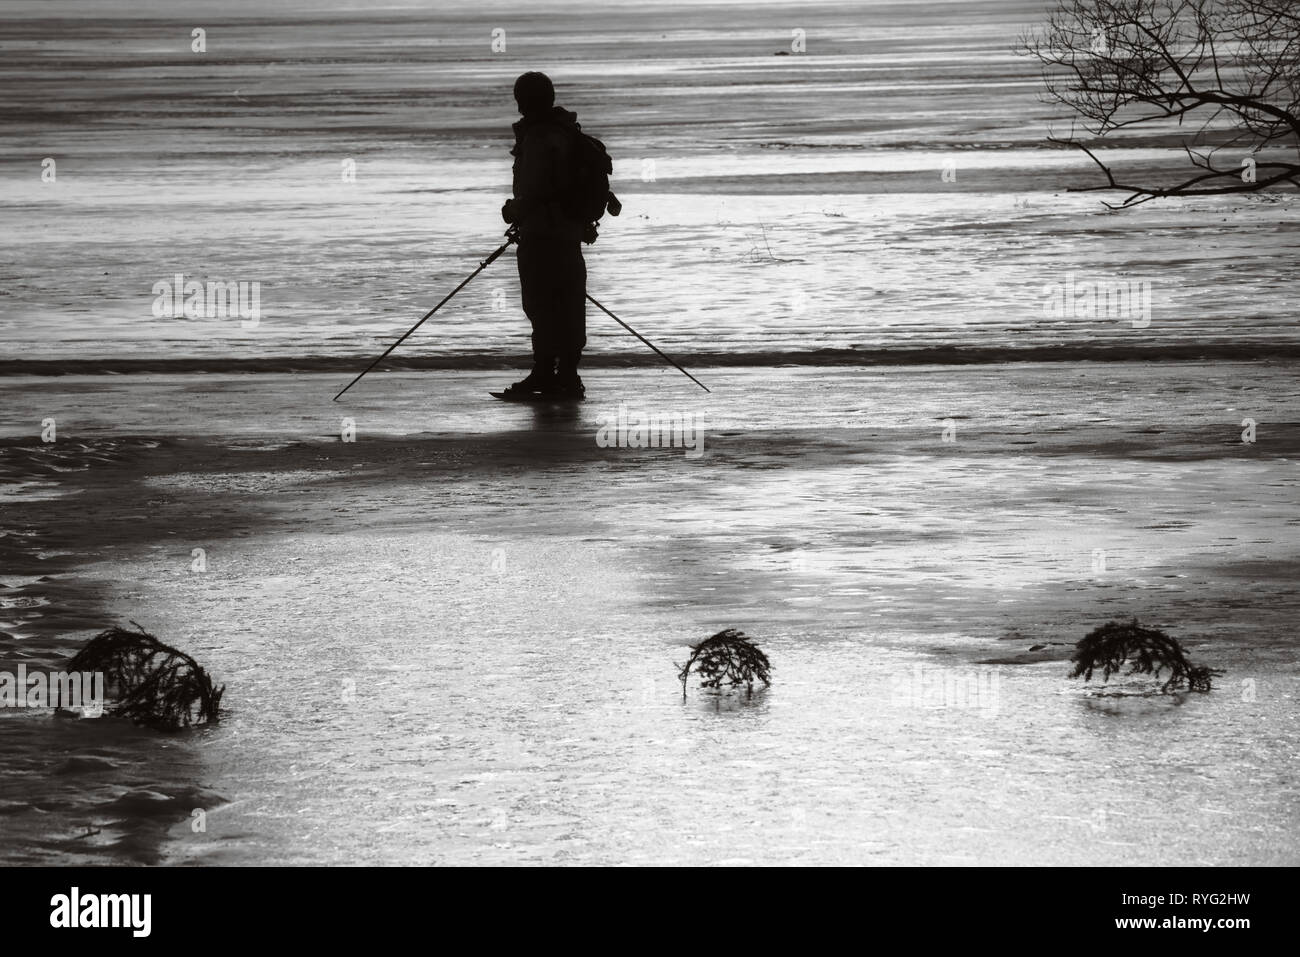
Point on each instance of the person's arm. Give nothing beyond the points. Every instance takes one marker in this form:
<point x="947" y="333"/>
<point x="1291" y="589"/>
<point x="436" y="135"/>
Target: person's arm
<point x="535" y="186"/>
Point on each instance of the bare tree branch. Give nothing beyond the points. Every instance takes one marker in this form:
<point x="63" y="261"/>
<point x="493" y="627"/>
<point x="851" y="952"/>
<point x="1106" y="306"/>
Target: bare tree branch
<point x="1230" y="66"/>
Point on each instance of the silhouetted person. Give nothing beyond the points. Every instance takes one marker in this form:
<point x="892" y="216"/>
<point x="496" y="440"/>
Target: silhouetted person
<point x="552" y="272"/>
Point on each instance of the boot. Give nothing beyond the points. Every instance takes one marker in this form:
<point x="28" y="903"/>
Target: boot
<point x="540" y="379"/>
<point x="566" y="384"/>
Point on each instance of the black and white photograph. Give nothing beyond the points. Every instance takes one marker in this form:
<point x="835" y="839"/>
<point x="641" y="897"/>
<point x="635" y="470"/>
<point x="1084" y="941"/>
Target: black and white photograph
<point x="651" y="433"/>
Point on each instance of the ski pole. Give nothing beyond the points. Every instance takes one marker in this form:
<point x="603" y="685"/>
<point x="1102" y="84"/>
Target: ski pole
<point x="650" y="344"/>
<point x="511" y="236"/>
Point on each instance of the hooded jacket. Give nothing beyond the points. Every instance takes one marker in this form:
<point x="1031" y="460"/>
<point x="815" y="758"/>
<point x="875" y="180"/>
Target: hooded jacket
<point x="545" y="153"/>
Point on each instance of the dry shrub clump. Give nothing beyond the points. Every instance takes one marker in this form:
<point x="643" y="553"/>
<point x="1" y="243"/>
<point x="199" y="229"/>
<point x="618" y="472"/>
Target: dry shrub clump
<point x="1147" y="651"/>
<point x="730" y="658"/>
<point x="150" y="682"/>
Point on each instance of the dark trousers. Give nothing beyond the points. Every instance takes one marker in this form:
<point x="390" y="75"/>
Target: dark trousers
<point x="553" y="282"/>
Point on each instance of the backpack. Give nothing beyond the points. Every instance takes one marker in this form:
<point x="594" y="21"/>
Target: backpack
<point x="589" y="197"/>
